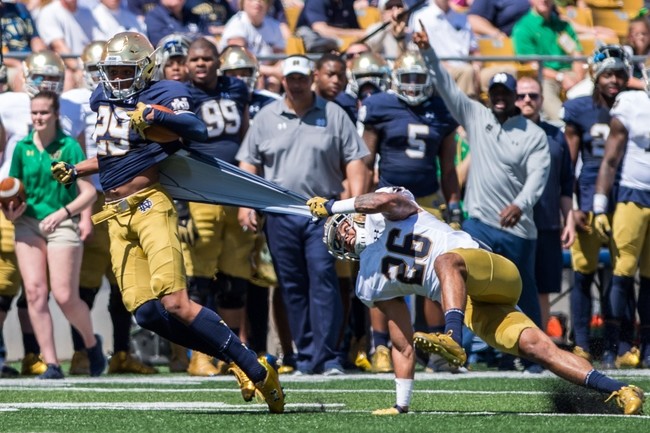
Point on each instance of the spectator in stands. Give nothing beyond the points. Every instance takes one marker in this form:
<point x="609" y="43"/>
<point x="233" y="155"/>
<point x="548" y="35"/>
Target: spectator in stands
<point x="495" y="18"/>
<point x="391" y="41"/>
<point x="323" y="23"/>
<point x="19" y="35"/>
<point x="67" y="28"/>
<point x="638" y="44"/>
<point x="454" y="38"/>
<point x="141" y="7"/>
<point x="254" y="29"/>
<point x="170" y="17"/>
<point x="214" y="14"/>
<point x="542" y="32"/>
<point x="553" y="233"/>
<point x="112" y="18"/>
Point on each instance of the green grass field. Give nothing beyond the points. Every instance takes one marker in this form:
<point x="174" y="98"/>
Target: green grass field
<point x="488" y="401"/>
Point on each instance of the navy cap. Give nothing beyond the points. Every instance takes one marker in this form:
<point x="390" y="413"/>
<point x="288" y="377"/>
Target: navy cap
<point x="504" y="79"/>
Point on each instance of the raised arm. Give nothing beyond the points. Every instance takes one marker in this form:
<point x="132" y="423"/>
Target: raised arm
<point x="394" y="206"/>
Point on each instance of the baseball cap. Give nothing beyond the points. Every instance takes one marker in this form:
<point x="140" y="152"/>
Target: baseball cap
<point x="387" y="4"/>
<point x="504" y="79"/>
<point x="297" y="65"/>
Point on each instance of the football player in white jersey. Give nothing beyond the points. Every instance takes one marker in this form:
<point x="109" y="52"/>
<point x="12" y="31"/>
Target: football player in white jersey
<point x="628" y="145"/>
<point x="43" y="71"/>
<point x="78" y="120"/>
<point x="403" y="250"/>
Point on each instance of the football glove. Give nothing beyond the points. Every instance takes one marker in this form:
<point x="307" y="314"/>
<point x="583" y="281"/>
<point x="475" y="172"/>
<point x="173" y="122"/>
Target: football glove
<point x="320" y="207"/>
<point x="63" y="172"/>
<point x="187" y="230"/>
<point x="453" y="215"/>
<point x="602" y="226"/>
<point x="138" y="118"/>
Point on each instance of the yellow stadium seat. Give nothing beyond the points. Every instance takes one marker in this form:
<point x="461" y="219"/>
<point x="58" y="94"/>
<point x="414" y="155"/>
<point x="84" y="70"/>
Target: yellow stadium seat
<point x="295" y="45"/>
<point x="632" y="7"/>
<point x="292" y="13"/>
<point x="368" y="16"/>
<point x="605" y="3"/>
<point x="615" y="19"/>
<point x="589" y="43"/>
<point x="577" y="15"/>
<point x="503" y="47"/>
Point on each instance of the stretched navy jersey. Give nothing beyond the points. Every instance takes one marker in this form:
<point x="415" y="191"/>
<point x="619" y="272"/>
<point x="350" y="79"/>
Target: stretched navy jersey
<point x="121" y="152"/>
<point x="592" y="125"/>
<point x="259" y="99"/>
<point x="222" y="110"/>
<point x="349" y="104"/>
<point x="409" y="139"/>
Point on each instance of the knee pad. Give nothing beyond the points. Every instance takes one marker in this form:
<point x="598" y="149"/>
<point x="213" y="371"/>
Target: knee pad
<point x="231" y="291"/>
<point x="200" y="290"/>
<point x="88" y="295"/>
<point x="5" y="302"/>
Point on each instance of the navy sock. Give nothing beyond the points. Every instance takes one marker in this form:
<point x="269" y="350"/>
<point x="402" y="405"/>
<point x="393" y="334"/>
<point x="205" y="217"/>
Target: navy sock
<point x="598" y="381"/>
<point x="454" y="322"/>
<point x="31" y="345"/>
<point x="3" y="349"/>
<point x="209" y="326"/>
<point x="121" y="319"/>
<point x="77" y="340"/>
<point x="581" y="308"/>
<point x="643" y="307"/>
<point x="379" y="338"/>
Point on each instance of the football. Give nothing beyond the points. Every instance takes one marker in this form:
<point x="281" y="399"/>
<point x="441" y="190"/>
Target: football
<point x="11" y="191"/>
<point x="158" y="133"/>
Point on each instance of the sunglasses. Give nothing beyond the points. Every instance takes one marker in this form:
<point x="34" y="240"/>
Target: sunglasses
<point x="532" y="96"/>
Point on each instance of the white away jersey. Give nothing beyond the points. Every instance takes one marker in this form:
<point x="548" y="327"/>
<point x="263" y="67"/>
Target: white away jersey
<point x="398" y="259"/>
<point x="632" y="108"/>
<point x="15" y="113"/>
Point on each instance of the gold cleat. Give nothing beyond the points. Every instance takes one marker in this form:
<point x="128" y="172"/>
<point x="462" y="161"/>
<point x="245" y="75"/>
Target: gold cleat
<point x="285" y="369"/>
<point x="630" y="359"/>
<point x="201" y="365"/>
<point x="270" y="388"/>
<point x="32" y="365"/>
<point x="123" y="362"/>
<point x="79" y="365"/>
<point x="362" y="361"/>
<point x="582" y="353"/>
<point x="443" y="345"/>
<point x="246" y="385"/>
<point x="395" y="410"/>
<point x="381" y="361"/>
<point x="629" y="398"/>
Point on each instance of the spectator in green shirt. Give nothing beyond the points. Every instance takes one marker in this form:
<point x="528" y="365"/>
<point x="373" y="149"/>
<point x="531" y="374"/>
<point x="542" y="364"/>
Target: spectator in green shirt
<point x="48" y="241"/>
<point x="542" y="32"/>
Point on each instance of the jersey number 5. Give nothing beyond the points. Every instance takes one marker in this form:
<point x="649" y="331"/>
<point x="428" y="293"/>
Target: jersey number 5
<point x="396" y="268"/>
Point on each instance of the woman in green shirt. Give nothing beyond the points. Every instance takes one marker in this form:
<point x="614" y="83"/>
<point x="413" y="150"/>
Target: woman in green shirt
<point x="47" y="232"/>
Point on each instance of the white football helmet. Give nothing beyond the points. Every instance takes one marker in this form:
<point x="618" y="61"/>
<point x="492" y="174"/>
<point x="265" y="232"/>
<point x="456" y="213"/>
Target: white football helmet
<point x="411" y="80"/>
<point x="44" y="70"/>
<point x="608" y="58"/>
<point x="127" y="49"/>
<point x="90" y="57"/>
<point x="368" y="68"/>
<point x="236" y="57"/>
<point x="173" y="45"/>
<point x="333" y="238"/>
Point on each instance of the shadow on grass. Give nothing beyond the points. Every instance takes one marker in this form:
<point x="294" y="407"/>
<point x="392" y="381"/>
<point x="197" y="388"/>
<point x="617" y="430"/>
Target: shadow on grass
<point x="567" y="398"/>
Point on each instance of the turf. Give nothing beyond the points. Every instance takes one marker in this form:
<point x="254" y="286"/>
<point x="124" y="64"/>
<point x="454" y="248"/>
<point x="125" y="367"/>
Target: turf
<point x="476" y="402"/>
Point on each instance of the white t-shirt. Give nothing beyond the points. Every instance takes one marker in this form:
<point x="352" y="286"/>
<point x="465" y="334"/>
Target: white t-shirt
<point x="451" y="29"/>
<point x="261" y="40"/>
<point x="77" y="30"/>
<point x="15" y="113"/>
<point x="399" y="256"/>
<point x="632" y="108"/>
<point x="111" y="22"/>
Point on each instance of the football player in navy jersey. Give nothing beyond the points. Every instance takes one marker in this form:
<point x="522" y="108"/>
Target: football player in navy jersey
<point x="410" y="129"/>
<point x="222" y="247"/>
<point x="587" y="128"/>
<point x="239" y="62"/>
<point x="145" y="245"/>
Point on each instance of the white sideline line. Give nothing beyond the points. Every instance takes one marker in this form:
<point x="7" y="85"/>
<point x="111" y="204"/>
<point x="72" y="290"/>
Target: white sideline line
<point x="291" y="390"/>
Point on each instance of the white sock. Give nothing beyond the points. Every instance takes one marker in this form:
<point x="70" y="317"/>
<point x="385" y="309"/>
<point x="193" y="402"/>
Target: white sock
<point x="404" y="391"/>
